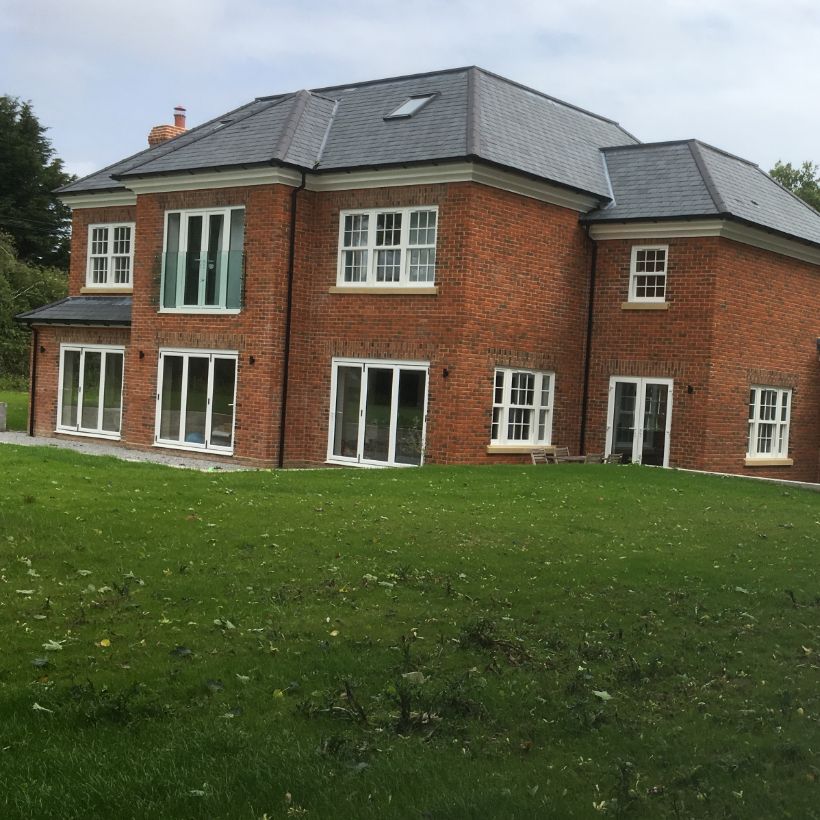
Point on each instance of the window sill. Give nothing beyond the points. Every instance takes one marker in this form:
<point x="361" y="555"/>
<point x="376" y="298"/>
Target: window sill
<point x="102" y="289"/>
<point x="398" y="290"/>
<point x="644" y="305"/>
<point x="193" y="311"/>
<point x="768" y="462"/>
<point x="214" y="451"/>
<point x="87" y="434"/>
<point x="500" y="449"/>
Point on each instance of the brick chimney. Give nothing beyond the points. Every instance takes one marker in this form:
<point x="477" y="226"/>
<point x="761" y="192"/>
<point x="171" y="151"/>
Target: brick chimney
<point x="160" y="133"/>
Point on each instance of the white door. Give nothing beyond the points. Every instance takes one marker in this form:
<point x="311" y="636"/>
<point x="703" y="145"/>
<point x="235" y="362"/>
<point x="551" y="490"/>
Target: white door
<point x="377" y="412"/>
<point x="639" y="419"/>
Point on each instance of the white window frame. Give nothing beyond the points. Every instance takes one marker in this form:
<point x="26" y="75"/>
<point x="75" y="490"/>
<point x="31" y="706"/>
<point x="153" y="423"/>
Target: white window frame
<point x="110" y="256"/>
<point x="396" y="365"/>
<point x="503" y="406"/>
<point x="78" y="430"/>
<point x="370" y="248"/>
<point x="187" y="354"/>
<point x="780" y="425"/>
<point x="184" y="213"/>
<point x="634" y="273"/>
<point x="639" y="429"/>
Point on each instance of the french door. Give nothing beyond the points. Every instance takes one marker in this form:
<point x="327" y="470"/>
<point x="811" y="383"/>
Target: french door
<point x="639" y="419"/>
<point x="377" y="412"/>
<point x="90" y="390"/>
<point x="196" y="394"/>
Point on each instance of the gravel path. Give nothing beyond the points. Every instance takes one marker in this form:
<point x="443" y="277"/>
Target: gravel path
<point x="94" y="448"/>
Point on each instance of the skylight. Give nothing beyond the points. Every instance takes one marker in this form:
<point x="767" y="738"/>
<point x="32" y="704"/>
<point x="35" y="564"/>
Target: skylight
<point x="410" y="106"/>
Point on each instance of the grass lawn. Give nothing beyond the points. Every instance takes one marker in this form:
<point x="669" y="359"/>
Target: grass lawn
<point x="17" y="411"/>
<point x="511" y="642"/>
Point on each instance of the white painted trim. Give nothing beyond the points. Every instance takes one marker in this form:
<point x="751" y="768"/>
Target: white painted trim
<point x="229" y="178"/>
<point x="110" y="199"/>
<point x="453" y="172"/>
<point x="358" y="460"/>
<point x="634" y="274"/>
<point x="640" y="404"/>
<point x="110" y="227"/>
<point x="384" y="290"/>
<point x="747" y="235"/>
<point x="502" y="443"/>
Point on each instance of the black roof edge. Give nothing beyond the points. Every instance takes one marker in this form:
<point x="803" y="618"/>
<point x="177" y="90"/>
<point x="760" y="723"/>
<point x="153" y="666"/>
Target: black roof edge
<point x="664" y="143"/>
<point x="688" y="218"/>
<point x="21" y="319"/>
<point x="110" y="190"/>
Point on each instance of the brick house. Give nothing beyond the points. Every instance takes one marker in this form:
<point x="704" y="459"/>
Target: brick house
<point x="441" y="268"/>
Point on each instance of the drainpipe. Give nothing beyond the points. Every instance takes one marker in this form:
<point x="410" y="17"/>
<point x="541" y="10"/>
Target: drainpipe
<point x="288" y="314"/>
<point x="588" y="345"/>
<point x="33" y="385"/>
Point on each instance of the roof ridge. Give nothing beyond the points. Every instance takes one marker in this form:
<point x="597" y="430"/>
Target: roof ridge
<point x="301" y="99"/>
<point x="326" y="136"/>
<point x="472" y="136"/>
<point x="706" y="176"/>
<point x="199" y="137"/>
<point x="420" y="75"/>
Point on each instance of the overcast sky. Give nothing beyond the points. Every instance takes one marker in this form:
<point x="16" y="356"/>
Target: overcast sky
<point x="740" y="74"/>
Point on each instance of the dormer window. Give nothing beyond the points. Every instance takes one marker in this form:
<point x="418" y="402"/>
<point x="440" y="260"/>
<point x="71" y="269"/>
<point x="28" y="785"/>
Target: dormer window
<point x="410" y="106"/>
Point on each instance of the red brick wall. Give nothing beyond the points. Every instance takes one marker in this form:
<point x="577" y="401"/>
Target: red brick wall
<point x="766" y="326"/>
<point x="737" y="316"/>
<point x="511" y="277"/>
<point x="672" y="344"/>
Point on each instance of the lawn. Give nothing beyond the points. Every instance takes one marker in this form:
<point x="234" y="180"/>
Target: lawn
<point x="511" y="642"/>
<point x="17" y="411"/>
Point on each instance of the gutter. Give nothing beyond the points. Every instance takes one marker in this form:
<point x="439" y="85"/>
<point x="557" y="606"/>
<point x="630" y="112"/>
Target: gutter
<point x="288" y="317"/>
<point x="588" y="345"/>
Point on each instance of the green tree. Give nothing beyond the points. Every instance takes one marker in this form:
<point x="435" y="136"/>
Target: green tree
<point x="29" y="172"/>
<point x="803" y="181"/>
<point x="22" y="287"/>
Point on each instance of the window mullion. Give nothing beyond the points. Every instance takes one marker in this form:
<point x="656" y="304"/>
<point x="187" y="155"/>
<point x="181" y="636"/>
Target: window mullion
<point x="404" y="247"/>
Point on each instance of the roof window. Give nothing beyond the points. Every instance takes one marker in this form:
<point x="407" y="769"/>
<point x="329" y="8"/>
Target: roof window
<point x="410" y="106"/>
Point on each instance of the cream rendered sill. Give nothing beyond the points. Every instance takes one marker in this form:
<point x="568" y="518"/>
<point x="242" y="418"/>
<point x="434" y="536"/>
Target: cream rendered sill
<point x="769" y="462"/>
<point x="644" y="305"/>
<point x="377" y="291"/>
<point x="497" y="449"/>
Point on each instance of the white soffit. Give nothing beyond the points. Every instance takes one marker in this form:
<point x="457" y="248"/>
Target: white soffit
<point x="747" y="234"/>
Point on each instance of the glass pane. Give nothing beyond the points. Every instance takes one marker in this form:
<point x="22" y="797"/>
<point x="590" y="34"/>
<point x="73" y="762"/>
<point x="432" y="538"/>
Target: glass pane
<point x="71" y="388"/>
<point x="233" y="298"/>
<point x="222" y="404"/>
<point x="112" y="393"/>
<point x="624" y="420"/>
<point x="89" y="415"/>
<point x="410" y="417"/>
<point x="377" y="414"/>
<point x="192" y="256"/>
<point x="171" y="402"/>
<point x="196" y="401"/>
<point x="169" y="285"/>
<point x="654" y="425"/>
<point x="346" y="418"/>
<point x="214" y="261"/>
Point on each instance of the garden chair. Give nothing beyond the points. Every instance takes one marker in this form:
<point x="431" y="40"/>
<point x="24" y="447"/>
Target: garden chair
<point x="594" y="458"/>
<point x="539" y="456"/>
<point x="614" y="458"/>
<point x="560" y="454"/>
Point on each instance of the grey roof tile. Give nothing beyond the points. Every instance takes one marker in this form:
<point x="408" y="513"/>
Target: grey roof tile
<point x="85" y="310"/>
<point x="691" y="179"/>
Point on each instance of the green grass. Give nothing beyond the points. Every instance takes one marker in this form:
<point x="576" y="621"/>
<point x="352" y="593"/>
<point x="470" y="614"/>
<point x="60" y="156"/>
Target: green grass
<point x="510" y="642"/>
<point x="17" y="410"/>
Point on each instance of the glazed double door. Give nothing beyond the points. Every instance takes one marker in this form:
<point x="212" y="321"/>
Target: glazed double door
<point x="640" y="419"/>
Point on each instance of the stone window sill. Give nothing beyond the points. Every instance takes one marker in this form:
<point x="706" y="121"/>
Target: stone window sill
<point x="377" y="291"/>
<point x="498" y="449"/>
<point x="644" y="305"/>
<point x="103" y="291"/>
<point x="769" y="462"/>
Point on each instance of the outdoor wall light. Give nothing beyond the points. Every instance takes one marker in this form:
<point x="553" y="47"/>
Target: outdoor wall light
<point x="690" y="389"/>
<point x="142" y="354"/>
<point x="818" y="345"/>
<point x="446" y="372"/>
<point x="252" y="359"/>
<point x="42" y="349"/>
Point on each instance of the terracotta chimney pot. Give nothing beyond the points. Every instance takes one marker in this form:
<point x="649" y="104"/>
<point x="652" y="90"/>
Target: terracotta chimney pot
<point x="161" y="133"/>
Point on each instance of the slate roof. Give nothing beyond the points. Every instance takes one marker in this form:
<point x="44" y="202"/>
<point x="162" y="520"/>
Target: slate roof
<point x="675" y="180"/>
<point x="84" y="310"/>
<point x="474" y="114"/>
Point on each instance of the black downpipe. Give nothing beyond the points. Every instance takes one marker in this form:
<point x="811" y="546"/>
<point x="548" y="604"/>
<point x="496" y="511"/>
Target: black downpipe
<point x="588" y="346"/>
<point x="288" y="314"/>
<point x="33" y="386"/>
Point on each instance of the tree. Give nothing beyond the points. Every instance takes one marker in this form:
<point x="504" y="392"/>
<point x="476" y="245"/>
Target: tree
<point x="29" y="172"/>
<point x="22" y="287"/>
<point x="803" y="181"/>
